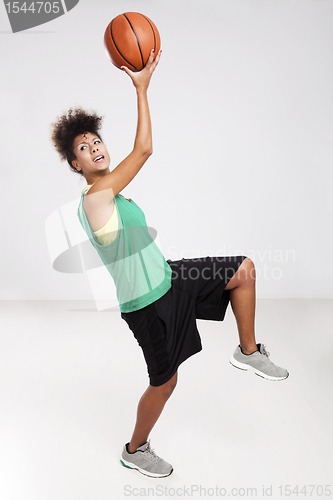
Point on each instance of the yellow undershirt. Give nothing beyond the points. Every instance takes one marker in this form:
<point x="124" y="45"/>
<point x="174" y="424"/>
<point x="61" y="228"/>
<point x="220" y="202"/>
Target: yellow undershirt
<point x="108" y="233"/>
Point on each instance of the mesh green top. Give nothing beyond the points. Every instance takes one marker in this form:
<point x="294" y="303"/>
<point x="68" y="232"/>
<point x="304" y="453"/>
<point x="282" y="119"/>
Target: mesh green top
<point x="136" y="264"/>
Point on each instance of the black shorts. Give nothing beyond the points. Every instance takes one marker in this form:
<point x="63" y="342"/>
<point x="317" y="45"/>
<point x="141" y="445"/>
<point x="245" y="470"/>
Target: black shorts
<point x="166" y="330"/>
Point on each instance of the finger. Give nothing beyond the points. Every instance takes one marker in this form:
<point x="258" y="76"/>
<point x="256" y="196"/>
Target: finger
<point x="151" y="58"/>
<point x="154" y="63"/>
<point x="157" y="59"/>
<point x="128" y="71"/>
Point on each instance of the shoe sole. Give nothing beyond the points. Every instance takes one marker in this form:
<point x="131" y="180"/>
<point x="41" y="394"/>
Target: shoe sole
<point x="245" y="367"/>
<point x="129" y="465"/>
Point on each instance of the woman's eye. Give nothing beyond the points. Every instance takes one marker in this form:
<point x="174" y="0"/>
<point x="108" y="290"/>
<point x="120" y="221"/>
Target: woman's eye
<point x="84" y="146"/>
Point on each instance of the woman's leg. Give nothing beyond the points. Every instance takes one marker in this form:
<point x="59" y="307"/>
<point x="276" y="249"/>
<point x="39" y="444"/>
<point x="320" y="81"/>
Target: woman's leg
<point x="242" y="288"/>
<point x="150" y="408"/>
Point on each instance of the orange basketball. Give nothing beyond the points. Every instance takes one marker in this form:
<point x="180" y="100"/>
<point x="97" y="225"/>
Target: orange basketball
<point x="129" y="38"/>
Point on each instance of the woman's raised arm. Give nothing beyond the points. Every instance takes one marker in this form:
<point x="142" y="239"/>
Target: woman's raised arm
<point x="115" y="181"/>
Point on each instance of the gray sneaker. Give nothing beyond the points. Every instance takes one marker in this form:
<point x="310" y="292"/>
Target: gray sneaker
<point x="258" y="362"/>
<point x="145" y="460"/>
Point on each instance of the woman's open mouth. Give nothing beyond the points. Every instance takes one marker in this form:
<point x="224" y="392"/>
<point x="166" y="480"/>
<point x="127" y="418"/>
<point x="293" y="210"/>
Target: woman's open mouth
<point x="99" y="159"/>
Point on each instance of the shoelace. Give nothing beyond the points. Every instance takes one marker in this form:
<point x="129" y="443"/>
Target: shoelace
<point x="151" y="453"/>
<point x="264" y="352"/>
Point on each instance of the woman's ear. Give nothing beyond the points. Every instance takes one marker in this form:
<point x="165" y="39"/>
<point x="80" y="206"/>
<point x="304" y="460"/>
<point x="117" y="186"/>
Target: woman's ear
<point x="75" y="165"/>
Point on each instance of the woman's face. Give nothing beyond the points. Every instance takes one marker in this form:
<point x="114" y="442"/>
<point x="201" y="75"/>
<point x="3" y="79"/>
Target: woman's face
<point x="92" y="157"/>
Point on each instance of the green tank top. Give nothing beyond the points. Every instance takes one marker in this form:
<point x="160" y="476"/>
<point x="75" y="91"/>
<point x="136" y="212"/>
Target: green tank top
<point x="136" y="264"/>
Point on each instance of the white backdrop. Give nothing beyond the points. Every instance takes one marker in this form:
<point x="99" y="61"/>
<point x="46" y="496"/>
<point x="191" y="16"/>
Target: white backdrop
<point x="241" y="106"/>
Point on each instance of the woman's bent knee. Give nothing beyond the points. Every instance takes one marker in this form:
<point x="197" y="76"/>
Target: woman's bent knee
<point x="247" y="270"/>
<point x="169" y="386"/>
<point x="245" y="274"/>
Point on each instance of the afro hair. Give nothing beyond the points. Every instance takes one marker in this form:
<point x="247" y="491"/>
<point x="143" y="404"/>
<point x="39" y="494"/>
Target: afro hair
<point x="77" y="121"/>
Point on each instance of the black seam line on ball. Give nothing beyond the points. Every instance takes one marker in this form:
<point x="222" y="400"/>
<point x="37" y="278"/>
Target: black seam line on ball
<point x="118" y="49"/>
<point x="137" y="41"/>
<point x="146" y="18"/>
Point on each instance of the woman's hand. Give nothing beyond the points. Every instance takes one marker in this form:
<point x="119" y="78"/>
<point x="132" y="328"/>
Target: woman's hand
<point x="142" y="78"/>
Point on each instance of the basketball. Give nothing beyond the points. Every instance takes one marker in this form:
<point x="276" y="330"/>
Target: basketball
<point x="129" y="39"/>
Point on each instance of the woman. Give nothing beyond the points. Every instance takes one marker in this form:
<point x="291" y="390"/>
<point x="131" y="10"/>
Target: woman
<point x="160" y="300"/>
